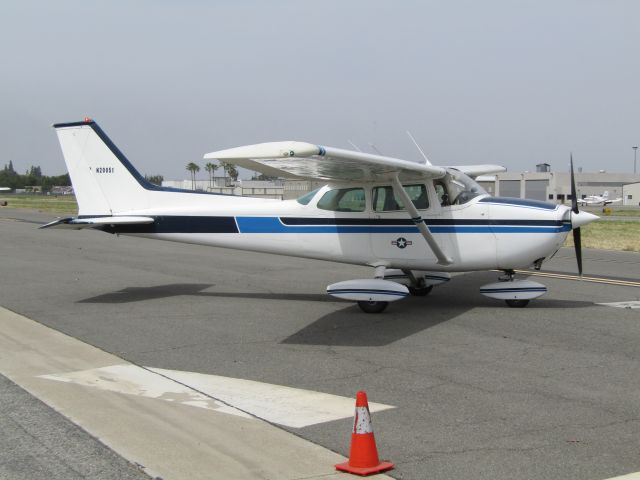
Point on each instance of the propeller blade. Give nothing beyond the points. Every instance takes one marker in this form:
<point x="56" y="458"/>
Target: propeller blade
<point x="577" y="243"/>
<point x="574" y="193"/>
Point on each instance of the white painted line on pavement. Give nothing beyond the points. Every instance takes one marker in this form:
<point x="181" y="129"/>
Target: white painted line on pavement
<point x="291" y="407"/>
<point x="133" y="380"/>
<point x="633" y="304"/>
<point x="631" y="476"/>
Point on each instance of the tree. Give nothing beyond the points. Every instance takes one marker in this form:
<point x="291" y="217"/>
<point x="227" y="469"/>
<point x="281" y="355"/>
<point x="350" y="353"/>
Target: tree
<point x="8" y="169"/>
<point x="155" y="179"/>
<point x="233" y="172"/>
<point x="230" y="170"/>
<point x="12" y="179"/>
<point x="211" y="168"/>
<point x="193" y="168"/>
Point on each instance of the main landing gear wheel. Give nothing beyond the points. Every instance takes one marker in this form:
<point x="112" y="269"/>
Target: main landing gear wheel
<point x="372" y="307"/>
<point x="420" y="291"/>
<point x="517" y="303"/>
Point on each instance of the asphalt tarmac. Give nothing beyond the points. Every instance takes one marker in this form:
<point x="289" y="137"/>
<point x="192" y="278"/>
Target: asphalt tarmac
<point x="482" y="391"/>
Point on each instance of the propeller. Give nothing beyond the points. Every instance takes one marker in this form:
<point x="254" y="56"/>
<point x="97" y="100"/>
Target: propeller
<point x="577" y="242"/>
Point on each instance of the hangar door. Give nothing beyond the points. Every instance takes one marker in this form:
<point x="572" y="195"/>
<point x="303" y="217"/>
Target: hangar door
<point x="536" y="189"/>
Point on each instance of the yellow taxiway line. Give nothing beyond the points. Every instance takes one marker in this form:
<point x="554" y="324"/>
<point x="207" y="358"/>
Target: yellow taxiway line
<point x="607" y="281"/>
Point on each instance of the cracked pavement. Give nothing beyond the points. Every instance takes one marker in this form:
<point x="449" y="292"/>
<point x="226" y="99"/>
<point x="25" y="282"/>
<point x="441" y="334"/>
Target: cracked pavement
<point x="483" y="391"/>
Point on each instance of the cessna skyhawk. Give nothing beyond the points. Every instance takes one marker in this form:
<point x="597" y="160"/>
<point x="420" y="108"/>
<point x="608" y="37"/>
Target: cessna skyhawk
<point x="412" y="223"/>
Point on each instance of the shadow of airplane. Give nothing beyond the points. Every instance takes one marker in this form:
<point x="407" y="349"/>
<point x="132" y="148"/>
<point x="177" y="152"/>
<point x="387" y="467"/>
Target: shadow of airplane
<point x="347" y="326"/>
<point x="140" y="294"/>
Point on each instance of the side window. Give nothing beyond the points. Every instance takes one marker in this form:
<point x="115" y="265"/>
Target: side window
<point x="385" y="201"/>
<point x="343" y="200"/>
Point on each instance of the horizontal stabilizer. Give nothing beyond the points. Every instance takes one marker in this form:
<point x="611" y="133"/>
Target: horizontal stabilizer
<point x="92" y="222"/>
<point x="476" y="170"/>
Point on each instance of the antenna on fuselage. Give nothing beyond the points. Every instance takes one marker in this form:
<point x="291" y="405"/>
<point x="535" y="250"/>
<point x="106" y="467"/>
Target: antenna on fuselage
<point x="354" y="145"/>
<point x="426" y="160"/>
<point x="376" y="149"/>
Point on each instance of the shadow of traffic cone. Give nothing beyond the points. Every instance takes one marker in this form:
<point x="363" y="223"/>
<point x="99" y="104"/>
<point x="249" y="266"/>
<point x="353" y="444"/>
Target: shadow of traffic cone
<point x="363" y="457"/>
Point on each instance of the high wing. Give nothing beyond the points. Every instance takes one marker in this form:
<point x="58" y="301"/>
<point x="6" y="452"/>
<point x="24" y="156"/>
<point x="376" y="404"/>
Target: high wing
<point x="305" y="160"/>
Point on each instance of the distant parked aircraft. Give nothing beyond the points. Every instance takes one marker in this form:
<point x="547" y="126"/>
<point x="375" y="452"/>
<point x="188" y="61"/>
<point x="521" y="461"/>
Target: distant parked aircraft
<point x="599" y="199"/>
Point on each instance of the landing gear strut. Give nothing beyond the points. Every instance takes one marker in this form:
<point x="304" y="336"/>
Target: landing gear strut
<point x="418" y="287"/>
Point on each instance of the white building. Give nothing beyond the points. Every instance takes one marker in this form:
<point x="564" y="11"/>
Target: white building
<point x="556" y="186"/>
<point x="631" y="194"/>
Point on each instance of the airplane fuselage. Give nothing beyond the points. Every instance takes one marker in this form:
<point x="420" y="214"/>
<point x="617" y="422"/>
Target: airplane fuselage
<point x="484" y="233"/>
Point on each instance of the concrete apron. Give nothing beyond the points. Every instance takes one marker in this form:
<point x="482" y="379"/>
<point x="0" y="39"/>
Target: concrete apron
<point x="168" y="439"/>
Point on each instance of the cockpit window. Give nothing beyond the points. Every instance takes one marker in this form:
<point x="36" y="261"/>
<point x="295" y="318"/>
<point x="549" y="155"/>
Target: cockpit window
<point x="456" y="188"/>
<point x="343" y="200"/>
<point x="306" y="198"/>
<point x="384" y="199"/>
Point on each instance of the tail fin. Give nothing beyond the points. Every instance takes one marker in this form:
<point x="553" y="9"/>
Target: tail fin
<point x="104" y="181"/>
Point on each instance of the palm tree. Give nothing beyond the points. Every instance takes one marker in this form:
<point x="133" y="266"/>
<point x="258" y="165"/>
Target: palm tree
<point x="233" y="172"/>
<point x="225" y="169"/>
<point x="211" y="168"/>
<point x="193" y="168"/>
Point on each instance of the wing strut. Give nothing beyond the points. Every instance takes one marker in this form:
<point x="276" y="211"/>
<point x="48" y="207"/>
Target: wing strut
<point x="400" y="193"/>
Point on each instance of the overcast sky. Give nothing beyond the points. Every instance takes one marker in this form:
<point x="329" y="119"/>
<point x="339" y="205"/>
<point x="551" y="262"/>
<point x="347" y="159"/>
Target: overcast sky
<point x="508" y="82"/>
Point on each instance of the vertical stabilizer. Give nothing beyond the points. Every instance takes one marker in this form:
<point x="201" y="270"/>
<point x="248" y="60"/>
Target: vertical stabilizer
<point x="104" y="181"/>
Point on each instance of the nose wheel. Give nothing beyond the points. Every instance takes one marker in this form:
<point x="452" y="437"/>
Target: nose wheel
<point x="420" y="291"/>
<point x="515" y="293"/>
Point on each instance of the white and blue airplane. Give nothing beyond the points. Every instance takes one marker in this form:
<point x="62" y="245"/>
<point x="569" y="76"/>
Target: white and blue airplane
<point x="412" y="223"/>
<point x="603" y="199"/>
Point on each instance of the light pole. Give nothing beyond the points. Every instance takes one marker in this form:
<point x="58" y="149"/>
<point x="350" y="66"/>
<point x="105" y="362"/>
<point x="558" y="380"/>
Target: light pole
<point x="635" y="152"/>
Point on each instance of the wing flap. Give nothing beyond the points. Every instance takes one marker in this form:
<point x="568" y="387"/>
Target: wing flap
<point x="92" y="222"/>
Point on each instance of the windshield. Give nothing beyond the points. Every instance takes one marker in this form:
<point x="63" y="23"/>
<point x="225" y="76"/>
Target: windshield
<point x="461" y="188"/>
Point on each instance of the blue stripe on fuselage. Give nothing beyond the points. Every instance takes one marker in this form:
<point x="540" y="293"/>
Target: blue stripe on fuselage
<point x="275" y="225"/>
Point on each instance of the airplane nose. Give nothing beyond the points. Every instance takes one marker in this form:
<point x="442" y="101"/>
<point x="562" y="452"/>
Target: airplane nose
<point x="582" y="218"/>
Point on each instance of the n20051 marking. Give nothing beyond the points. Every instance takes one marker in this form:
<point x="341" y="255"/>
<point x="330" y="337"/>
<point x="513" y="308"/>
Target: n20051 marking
<point x="104" y="169"/>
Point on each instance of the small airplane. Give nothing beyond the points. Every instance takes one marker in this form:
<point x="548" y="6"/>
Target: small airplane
<point x="599" y="199"/>
<point x="412" y="223"/>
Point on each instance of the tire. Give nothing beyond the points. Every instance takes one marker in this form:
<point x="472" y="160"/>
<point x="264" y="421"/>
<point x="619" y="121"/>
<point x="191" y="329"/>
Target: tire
<point x="517" y="303"/>
<point x="420" y="291"/>
<point x="372" y="307"/>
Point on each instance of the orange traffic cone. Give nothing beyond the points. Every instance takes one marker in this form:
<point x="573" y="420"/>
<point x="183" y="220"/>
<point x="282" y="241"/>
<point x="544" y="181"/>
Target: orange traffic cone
<point x="363" y="457"/>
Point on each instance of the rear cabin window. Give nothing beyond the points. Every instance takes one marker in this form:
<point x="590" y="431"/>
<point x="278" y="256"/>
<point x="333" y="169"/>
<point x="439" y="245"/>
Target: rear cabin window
<point x="385" y="201"/>
<point x="343" y="200"/>
<point x="306" y="198"/>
